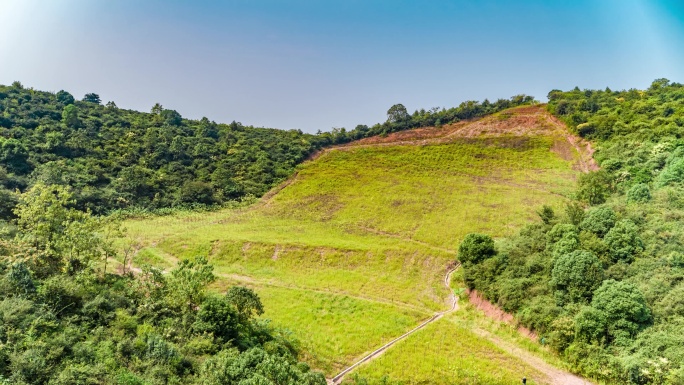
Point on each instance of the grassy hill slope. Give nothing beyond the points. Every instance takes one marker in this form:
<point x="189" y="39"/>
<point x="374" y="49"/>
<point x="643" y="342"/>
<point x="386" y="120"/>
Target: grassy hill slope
<point x="352" y="250"/>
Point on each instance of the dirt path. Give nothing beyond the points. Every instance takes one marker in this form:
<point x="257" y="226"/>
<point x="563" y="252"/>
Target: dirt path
<point x="552" y="375"/>
<point x="454" y="306"/>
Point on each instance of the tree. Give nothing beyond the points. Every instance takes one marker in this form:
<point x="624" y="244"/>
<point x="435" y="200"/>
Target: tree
<point x="397" y="113"/>
<point x="92" y="98"/>
<point x="575" y="276"/>
<point x="157" y="109"/>
<point x="197" y="192"/>
<point x="624" y="308"/>
<point x="639" y="193"/>
<point x="599" y="221"/>
<point x="171" y="117"/>
<point x="246" y="302"/>
<point x="14" y="155"/>
<point x="189" y="281"/>
<point x="217" y="316"/>
<point x="111" y="104"/>
<point x="475" y="248"/>
<point x="70" y="116"/>
<point x="575" y="213"/>
<point x="594" y="187"/>
<point x="71" y="239"/>
<point x="623" y="241"/>
<point x="546" y="214"/>
<point x="64" y="97"/>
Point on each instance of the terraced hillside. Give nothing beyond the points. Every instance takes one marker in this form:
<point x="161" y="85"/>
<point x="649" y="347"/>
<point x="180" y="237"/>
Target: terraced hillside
<point x="351" y="252"/>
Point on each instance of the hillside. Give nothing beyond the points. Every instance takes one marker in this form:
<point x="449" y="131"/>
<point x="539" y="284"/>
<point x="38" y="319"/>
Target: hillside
<point x="114" y="158"/>
<point x="602" y="282"/>
<point x="351" y="251"/>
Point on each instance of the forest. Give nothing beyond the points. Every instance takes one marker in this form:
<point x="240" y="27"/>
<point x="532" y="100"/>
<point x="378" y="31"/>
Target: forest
<point x="602" y="281"/>
<point x="114" y="158"/>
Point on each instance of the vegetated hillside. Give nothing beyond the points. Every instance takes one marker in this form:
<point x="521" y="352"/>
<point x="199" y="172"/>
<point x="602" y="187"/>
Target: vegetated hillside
<point x="64" y="322"/>
<point x="114" y="158"/>
<point x="603" y="280"/>
<point x="352" y="251"/>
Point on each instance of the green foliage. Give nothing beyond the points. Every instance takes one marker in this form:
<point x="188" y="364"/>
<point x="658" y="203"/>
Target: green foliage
<point x="575" y="213"/>
<point x="397" y="113"/>
<point x="630" y="332"/>
<point x="64" y="98"/>
<point x="575" y="276"/>
<point x="639" y="193"/>
<point x="70" y="116"/>
<point x="83" y="326"/>
<point x="475" y="248"/>
<point x="594" y="187"/>
<point x="599" y="220"/>
<point x="115" y="158"/>
<point x="624" y="242"/>
<point x="547" y="215"/>
<point x="92" y="98"/>
<point x="624" y="309"/>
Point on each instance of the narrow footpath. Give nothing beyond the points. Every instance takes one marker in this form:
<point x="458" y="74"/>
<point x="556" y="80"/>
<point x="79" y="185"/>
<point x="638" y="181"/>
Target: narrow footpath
<point x="453" y="299"/>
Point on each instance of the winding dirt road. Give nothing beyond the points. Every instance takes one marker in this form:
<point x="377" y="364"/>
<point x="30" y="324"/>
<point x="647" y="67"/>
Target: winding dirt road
<point x="453" y="299"/>
<point x="553" y="375"/>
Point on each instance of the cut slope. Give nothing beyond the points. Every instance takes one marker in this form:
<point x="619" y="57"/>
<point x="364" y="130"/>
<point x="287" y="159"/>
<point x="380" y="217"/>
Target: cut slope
<point x="375" y="223"/>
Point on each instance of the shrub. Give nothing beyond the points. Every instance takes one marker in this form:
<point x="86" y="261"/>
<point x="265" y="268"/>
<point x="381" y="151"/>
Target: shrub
<point x="624" y="308"/>
<point x="594" y="187"/>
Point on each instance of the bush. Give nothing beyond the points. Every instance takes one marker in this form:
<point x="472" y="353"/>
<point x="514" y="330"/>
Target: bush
<point x="624" y="308"/>
<point x="594" y="187"/>
<point x="196" y="191"/>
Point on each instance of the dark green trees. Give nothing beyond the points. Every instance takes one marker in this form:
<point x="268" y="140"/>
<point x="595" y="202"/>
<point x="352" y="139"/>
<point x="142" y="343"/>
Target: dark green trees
<point x="397" y="113"/>
<point x="92" y="98"/>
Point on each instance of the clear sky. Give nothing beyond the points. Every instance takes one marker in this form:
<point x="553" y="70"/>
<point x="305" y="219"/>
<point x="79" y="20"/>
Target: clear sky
<point x="318" y="64"/>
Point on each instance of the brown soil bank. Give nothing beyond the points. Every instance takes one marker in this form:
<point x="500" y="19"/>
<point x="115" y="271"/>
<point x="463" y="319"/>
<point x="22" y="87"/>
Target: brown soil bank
<point x="520" y="121"/>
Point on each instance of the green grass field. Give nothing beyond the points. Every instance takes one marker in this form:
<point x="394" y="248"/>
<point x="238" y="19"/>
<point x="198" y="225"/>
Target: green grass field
<point x="353" y="251"/>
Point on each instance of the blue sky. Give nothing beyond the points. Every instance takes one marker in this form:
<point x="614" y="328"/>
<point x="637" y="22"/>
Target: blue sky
<point x="321" y="64"/>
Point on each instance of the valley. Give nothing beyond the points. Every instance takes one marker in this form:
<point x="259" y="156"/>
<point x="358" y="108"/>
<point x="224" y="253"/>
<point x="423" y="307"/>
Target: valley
<point x="351" y="252"/>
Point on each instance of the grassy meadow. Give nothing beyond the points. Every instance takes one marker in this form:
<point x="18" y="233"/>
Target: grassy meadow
<point x="353" y="250"/>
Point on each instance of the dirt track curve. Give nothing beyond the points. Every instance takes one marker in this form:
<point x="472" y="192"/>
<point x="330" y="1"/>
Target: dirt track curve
<point x="553" y="375"/>
<point x="454" y="306"/>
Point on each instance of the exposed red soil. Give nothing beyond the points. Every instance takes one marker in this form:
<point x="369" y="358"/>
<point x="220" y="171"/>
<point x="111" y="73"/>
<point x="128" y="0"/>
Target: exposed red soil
<point x="496" y="313"/>
<point x="521" y="121"/>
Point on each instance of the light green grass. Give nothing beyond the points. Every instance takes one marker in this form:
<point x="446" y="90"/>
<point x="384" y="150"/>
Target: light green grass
<point x="364" y="235"/>
<point x="446" y="353"/>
